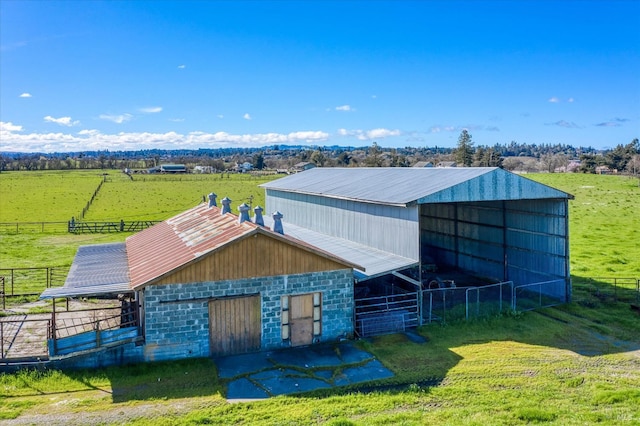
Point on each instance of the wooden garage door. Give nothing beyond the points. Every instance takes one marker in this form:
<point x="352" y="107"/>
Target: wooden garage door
<point x="301" y="321"/>
<point x="234" y="325"/>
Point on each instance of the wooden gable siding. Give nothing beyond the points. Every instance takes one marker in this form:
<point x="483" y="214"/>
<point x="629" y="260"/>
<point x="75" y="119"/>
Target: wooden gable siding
<point x="254" y="256"/>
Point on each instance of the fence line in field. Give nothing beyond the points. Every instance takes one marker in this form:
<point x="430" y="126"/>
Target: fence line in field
<point x="75" y="227"/>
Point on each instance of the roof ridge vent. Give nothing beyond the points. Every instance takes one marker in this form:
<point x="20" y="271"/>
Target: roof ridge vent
<point x="258" y="219"/>
<point x="244" y="213"/>
<point x="226" y="205"/>
<point x="212" y="200"/>
<point x="277" y="222"/>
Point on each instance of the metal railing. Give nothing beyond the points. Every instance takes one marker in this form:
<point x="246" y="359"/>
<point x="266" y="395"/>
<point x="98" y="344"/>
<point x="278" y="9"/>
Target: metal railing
<point x="489" y="300"/>
<point x="33" y="227"/>
<point x="30" y="281"/>
<point x="619" y="289"/>
<point x="543" y="294"/>
<point x="91" y="329"/>
<point x="24" y="337"/>
<point x="386" y="314"/>
<point x="75" y="227"/>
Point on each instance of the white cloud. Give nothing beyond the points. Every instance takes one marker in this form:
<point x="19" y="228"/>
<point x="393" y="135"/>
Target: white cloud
<point x="564" y="123"/>
<point x="176" y="120"/>
<point x="220" y="116"/>
<point x="95" y="140"/>
<point x="7" y="126"/>
<point x="554" y="100"/>
<point x="181" y="67"/>
<point x="365" y="135"/>
<point x="119" y="119"/>
<point x="63" y="121"/>
<point x="150" y="110"/>
<point x="247" y="116"/>
<point x="344" y="108"/>
<point x="570" y="100"/>
<point x="25" y="95"/>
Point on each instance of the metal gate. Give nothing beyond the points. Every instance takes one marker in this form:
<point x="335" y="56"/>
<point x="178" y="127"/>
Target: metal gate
<point x="386" y="314"/>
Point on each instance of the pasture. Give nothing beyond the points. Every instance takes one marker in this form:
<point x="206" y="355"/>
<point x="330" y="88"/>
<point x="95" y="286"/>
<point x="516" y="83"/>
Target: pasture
<point x="578" y="363"/>
<point x="58" y="196"/>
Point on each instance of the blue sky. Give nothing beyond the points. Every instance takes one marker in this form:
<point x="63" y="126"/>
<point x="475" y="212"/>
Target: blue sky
<point x="121" y="75"/>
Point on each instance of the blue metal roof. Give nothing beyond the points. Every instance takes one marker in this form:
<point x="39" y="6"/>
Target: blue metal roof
<point x="97" y="269"/>
<point x="403" y="186"/>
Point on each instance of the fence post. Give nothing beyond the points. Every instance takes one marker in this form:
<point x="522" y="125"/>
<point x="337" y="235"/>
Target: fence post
<point x="2" y="339"/>
<point x="54" y="341"/>
<point x="97" y="333"/>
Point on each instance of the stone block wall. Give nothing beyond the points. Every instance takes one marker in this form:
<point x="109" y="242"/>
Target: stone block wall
<point x="177" y="315"/>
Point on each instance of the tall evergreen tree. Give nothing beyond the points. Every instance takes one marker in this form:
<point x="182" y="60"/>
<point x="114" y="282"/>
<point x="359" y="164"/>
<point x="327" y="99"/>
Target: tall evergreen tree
<point x="464" y="152"/>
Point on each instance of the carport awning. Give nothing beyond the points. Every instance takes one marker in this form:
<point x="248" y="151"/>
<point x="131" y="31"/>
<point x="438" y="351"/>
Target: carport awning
<point x="376" y="262"/>
<point x="86" y="291"/>
<point x="97" y="270"/>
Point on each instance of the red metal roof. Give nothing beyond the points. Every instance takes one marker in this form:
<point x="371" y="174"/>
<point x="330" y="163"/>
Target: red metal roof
<point x="175" y="242"/>
<point x="171" y="244"/>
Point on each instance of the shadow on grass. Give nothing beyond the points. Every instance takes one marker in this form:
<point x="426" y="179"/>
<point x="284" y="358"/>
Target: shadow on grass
<point x="599" y="321"/>
<point x="164" y="380"/>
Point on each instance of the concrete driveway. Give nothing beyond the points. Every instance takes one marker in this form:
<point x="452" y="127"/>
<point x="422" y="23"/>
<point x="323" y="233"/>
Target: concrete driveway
<point x="264" y="374"/>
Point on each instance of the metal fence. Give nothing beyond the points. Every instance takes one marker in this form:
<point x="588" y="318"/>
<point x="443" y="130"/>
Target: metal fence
<point x="538" y="295"/>
<point x="460" y="303"/>
<point x="89" y="329"/>
<point x="8" y="228"/>
<point x="29" y="281"/>
<point x="108" y="227"/>
<point x="386" y="314"/>
<point x="489" y="300"/>
<point x="36" y="336"/>
<point x="617" y="289"/>
<point x="24" y="337"/>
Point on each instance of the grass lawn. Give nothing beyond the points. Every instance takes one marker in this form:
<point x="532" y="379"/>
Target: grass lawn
<point x="570" y="365"/>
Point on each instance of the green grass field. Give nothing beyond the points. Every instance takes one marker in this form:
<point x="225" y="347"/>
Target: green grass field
<point x="574" y="364"/>
<point x="58" y="196"/>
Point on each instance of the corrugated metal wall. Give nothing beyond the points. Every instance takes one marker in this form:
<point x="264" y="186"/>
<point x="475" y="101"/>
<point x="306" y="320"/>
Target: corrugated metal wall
<point x="388" y="228"/>
<point x="525" y="241"/>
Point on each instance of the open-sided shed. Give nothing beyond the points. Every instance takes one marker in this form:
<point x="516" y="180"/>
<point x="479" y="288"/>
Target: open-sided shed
<point x="486" y="221"/>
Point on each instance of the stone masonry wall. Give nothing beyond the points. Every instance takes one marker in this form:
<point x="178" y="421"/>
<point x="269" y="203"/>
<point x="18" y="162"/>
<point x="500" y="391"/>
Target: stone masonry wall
<point x="177" y="315"/>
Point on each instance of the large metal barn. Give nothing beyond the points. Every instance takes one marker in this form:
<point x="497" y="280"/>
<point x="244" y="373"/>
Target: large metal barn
<point x="431" y="227"/>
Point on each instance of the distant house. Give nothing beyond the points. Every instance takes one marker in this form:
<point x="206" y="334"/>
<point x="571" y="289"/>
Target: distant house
<point x="302" y="166"/>
<point x="204" y="169"/>
<point x="243" y="167"/>
<point x="604" y="170"/>
<point x="447" y="164"/>
<point x="423" y="164"/>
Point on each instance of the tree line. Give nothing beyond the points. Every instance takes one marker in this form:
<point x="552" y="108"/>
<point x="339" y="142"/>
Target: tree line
<point x="512" y="156"/>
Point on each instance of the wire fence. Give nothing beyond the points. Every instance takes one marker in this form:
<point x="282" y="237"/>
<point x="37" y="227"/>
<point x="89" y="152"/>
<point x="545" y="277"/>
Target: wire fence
<point x="623" y="289"/>
<point x="9" y="228"/>
<point x="465" y="303"/>
<point x="544" y="294"/>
